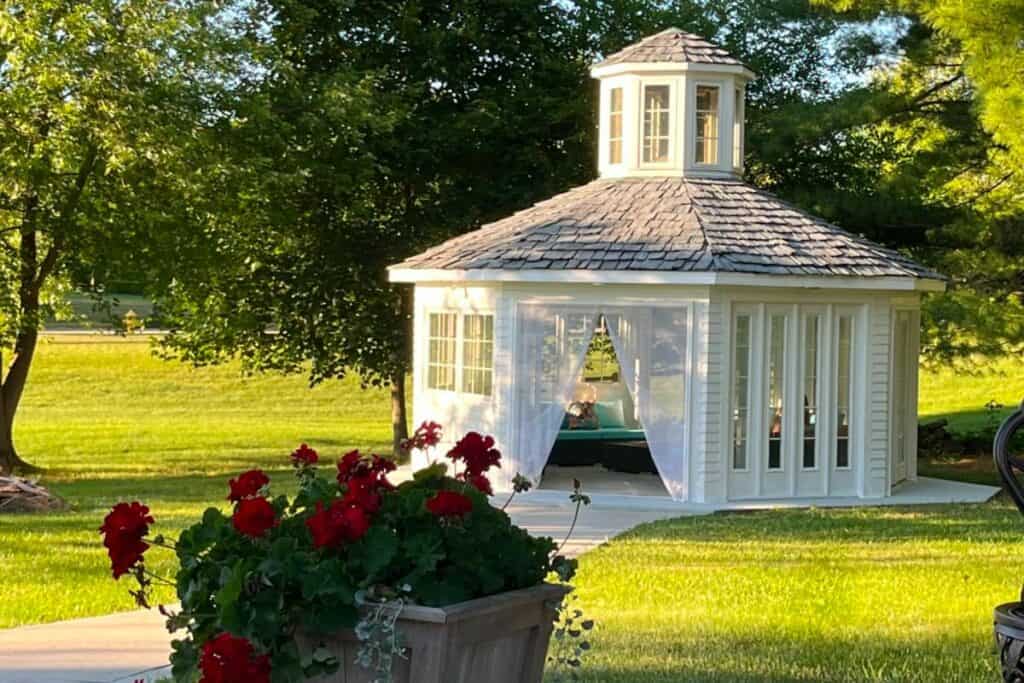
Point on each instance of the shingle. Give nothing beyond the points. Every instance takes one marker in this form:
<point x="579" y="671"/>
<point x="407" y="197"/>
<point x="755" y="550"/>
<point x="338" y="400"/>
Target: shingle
<point x="668" y="224"/>
<point x="672" y="45"/>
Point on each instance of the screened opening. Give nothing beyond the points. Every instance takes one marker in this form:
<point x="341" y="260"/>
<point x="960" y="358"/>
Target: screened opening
<point x="615" y="126"/>
<point x="601" y="441"/>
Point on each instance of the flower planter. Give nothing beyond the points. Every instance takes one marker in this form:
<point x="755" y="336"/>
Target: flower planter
<point x="1009" y="632"/>
<point x="498" y="639"/>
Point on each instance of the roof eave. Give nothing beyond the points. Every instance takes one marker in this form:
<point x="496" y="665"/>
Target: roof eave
<point x="602" y="70"/>
<point x="404" y="274"/>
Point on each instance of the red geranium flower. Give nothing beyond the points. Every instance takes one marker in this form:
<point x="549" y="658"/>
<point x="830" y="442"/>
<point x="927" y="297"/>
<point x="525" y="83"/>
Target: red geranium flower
<point x="254" y="516"/>
<point x="449" y="504"/>
<point x="480" y="482"/>
<point x="478" y="454"/>
<point x="340" y="523"/>
<point x="364" y="478"/>
<point x="123" y="530"/>
<point x="227" y="659"/>
<point x="304" y="455"/>
<point x="247" y="485"/>
<point x="426" y="435"/>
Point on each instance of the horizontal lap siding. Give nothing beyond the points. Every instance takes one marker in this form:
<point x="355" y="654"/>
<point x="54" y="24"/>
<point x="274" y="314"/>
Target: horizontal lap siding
<point x="709" y="373"/>
<point x="876" y="478"/>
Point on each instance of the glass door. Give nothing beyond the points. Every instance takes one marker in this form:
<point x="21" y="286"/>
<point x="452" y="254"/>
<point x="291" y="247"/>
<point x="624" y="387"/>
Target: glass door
<point x="901" y="384"/>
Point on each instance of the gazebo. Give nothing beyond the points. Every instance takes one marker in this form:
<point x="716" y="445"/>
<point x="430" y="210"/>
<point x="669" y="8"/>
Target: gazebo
<point x="764" y="353"/>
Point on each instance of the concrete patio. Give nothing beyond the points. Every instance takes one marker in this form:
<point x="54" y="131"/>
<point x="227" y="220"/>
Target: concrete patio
<point x="132" y="647"/>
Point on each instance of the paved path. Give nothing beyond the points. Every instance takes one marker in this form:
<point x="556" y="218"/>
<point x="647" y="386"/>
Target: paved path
<point x="132" y="647"/>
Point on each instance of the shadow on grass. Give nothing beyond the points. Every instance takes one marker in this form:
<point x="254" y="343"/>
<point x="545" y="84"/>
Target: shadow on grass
<point x="993" y="522"/>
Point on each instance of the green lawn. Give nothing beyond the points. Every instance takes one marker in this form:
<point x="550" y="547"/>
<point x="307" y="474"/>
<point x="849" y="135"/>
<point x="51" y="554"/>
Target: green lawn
<point x="868" y="595"/>
<point x="111" y="422"/>
<point x="960" y="397"/>
<point x="839" y="595"/>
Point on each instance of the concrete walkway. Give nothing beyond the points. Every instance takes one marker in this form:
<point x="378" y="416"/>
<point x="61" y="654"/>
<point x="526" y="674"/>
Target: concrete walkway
<point x="132" y="647"/>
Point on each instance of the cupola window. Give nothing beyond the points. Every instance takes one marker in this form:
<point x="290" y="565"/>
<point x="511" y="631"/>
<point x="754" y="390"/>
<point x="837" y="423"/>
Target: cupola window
<point x="737" y="131"/>
<point x="707" y="124"/>
<point x="615" y="127"/>
<point x="657" y="119"/>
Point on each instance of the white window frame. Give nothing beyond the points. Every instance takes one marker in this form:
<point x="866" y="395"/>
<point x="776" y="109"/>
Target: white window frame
<point x="738" y="127"/>
<point x="853" y="314"/>
<point x="751" y="314"/>
<point x="621" y="87"/>
<point x="720" y="86"/>
<point x="822" y="403"/>
<point x="455" y="360"/>
<point x="461" y="367"/>
<point x="673" y="119"/>
<point x="786" y="438"/>
<point x="460" y="339"/>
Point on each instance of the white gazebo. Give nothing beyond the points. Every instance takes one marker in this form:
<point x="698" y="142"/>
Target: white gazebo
<point x="764" y="353"/>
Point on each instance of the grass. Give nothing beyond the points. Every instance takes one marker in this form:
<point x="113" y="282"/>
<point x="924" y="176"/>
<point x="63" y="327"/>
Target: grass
<point x="110" y="422"/>
<point x="839" y="595"/>
<point x="960" y="397"/>
<point x="864" y="595"/>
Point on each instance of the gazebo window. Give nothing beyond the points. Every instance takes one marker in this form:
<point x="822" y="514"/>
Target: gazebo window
<point x="441" y="351"/>
<point x="707" y="124"/>
<point x="810" y="454"/>
<point x="741" y="392"/>
<point x="844" y="388"/>
<point x="776" y="384"/>
<point x="737" y="130"/>
<point x="615" y="126"/>
<point x="657" y="120"/>
<point x="477" y="354"/>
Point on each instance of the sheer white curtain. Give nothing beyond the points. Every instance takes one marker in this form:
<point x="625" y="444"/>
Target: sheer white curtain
<point x="651" y="343"/>
<point x="552" y="347"/>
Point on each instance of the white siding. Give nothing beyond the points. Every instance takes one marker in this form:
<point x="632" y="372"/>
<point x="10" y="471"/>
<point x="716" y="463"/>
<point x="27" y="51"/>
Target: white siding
<point x="459" y="412"/>
<point x="877" y="444"/>
<point x="710" y="454"/>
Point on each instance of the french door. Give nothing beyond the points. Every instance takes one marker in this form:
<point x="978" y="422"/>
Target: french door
<point x="792" y="401"/>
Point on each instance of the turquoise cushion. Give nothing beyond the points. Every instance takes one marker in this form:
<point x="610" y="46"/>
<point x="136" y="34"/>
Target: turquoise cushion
<point x="601" y="435"/>
<point x="609" y="414"/>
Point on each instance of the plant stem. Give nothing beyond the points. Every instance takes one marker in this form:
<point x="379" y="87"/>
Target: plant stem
<point x="572" y="527"/>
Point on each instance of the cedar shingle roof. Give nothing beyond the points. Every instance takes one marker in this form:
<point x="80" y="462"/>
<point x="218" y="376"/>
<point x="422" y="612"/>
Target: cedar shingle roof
<point x="672" y="45"/>
<point x="668" y="224"/>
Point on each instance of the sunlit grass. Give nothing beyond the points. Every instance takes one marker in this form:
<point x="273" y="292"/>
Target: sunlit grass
<point x="838" y="595"/>
<point x="110" y="422"/>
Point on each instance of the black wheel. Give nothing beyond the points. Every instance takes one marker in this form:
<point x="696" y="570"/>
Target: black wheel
<point x="1010" y="467"/>
<point x="1009" y="631"/>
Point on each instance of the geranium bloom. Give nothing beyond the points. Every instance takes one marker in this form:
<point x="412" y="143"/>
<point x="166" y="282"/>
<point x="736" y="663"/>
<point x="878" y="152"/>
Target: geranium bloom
<point x="340" y="523"/>
<point x="426" y="435"/>
<point x="247" y="485"/>
<point x="304" y="455"/>
<point x="254" y="516"/>
<point x="227" y="659"/>
<point x="123" y="530"/>
<point x="449" y="504"/>
<point x="478" y="454"/>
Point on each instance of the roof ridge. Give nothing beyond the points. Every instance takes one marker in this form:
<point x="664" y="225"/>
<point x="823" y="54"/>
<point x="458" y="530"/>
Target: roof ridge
<point x="707" y="246"/>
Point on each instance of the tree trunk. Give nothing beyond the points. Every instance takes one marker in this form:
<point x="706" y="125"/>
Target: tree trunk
<point x="399" y="418"/>
<point x="10" y="461"/>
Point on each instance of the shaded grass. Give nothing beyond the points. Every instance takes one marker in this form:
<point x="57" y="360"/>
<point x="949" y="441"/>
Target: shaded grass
<point x="110" y="422"/>
<point x="960" y="397"/>
<point x="840" y="595"/>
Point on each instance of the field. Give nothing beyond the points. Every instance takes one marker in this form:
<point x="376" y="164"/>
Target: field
<point x="866" y="595"/>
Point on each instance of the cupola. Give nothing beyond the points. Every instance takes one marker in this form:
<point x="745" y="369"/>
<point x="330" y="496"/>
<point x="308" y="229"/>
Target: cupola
<point x="671" y="105"/>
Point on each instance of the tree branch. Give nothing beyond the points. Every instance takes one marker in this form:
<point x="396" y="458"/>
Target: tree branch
<point x="85" y="170"/>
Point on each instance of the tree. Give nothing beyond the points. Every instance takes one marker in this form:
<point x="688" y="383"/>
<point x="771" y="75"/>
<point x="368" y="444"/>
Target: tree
<point x="100" y="99"/>
<point x="946" y="113"/>
<point x="383" y="128"/>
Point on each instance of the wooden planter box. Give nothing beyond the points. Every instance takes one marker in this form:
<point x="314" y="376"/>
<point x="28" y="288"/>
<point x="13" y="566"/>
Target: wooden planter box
<point x="498" y="639"/>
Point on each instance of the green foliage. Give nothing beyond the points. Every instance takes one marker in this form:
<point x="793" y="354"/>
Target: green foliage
<point x="280" y="587"/>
